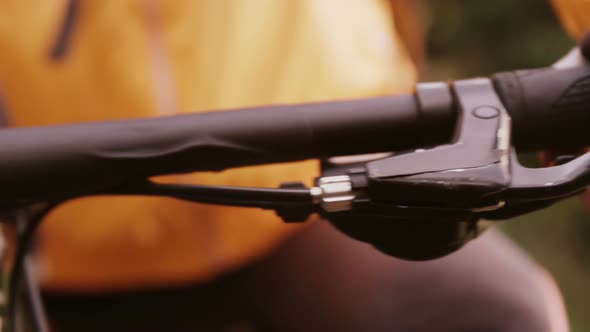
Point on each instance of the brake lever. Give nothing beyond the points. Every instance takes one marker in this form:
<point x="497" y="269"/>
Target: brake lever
<point x="458" y="175"/>
<point x="400" y="203"/>
<point x="532" y="189"/>
<point x="478" y="171"/>
<point x="550" y="182"/>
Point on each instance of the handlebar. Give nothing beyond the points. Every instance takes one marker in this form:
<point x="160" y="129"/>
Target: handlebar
<point x="547" y="107"/>
<point x="407" y="211"/>
<point x="38" y="162"/>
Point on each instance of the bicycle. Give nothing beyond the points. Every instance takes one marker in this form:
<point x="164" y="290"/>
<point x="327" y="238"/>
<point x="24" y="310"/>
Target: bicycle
<point x="475" y="176"/>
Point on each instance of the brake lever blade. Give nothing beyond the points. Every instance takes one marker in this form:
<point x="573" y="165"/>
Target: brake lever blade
<point x="549" y="183"/>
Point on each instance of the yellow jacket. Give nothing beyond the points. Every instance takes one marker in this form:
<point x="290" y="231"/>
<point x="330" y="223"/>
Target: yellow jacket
<point x="574" y="16"/>
<point x="73" y="61"/>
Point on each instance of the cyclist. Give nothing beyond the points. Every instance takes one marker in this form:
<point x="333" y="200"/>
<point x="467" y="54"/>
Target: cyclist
<point x="112" y="263"/>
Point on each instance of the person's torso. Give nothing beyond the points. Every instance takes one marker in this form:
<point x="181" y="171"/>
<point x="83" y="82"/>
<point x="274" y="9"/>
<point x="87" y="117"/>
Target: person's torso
<point x="73" y="61"/>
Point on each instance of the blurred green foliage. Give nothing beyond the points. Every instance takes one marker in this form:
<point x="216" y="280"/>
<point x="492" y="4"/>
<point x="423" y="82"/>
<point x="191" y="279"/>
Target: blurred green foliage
<point x="471" y="38"/>
<point x="481" y="37"/>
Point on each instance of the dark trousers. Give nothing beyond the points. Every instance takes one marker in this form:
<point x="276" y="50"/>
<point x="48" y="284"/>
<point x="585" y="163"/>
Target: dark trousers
<point x="321" y="280"/>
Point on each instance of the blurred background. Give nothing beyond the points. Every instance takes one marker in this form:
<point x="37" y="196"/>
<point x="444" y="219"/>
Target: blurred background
<point x="471" y="38"/>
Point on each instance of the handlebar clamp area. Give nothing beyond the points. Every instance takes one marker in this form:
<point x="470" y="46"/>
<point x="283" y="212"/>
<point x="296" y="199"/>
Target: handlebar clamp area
<point x="460" y="175"/>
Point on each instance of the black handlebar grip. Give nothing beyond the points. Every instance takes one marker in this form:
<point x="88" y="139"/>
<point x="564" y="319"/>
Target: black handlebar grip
<point x="550" y="107"/>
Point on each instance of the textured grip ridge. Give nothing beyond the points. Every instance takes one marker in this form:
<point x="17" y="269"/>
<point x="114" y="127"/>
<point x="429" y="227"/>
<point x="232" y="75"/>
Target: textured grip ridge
<point x="550" y="106"/>
<point x="576" y="97"/>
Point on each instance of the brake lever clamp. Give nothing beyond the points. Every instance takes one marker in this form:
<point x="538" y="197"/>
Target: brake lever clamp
<point x="427" y="203"/>
<point x="462" y="175"/>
